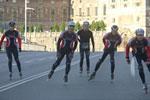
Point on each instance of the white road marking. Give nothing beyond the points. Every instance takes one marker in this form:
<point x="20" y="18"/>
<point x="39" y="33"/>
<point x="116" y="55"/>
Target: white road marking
<point x="28" y="61"/>
<point x="17" y="83"/>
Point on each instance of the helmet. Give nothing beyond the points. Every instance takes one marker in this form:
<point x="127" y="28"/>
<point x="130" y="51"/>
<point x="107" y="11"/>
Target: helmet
<point x="86" y="23"/>
<point x="12" y="24"/>
<point x="114" y="27"/>
<point x="139" y="31"/>
<point x="71" y="23"/>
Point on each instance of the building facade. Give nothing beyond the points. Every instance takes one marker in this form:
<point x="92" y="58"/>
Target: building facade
<point x="45" y="12"/>
<point x="88" y="10"/>
<point x="127" y="14"/>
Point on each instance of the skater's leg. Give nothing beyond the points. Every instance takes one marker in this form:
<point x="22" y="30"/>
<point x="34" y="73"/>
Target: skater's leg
<point x="15" y="53"/>
<point x="87" y="52"/>
<point x="81" y="59"/>
<point x="9" y="55"/>
<point x="100" y="61"/>
<point x="112" y="60"/>
<point x="57" y="62"/>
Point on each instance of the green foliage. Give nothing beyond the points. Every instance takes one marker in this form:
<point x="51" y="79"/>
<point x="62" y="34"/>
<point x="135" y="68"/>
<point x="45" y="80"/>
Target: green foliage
<point x="102" y="25"/>
<point x="62" y="27"/>
<point x="39" y="28"/>
<point x="22" y="30"/>
<point x="31" y="28"/>
<point x="1" y="30"/>
<point x="92" y="26"/>
<point x="78" y="26"/>
<point x="55" y="28"/>
<point x="98" y="26"/>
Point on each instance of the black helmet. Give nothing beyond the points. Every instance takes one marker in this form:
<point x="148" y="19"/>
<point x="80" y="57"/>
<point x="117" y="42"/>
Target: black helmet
<point x="12" y="24"/>
<point x="114" y="27"/>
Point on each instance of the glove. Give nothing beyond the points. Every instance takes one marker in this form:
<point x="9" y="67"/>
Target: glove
<point x="128" y="60"/>
<point x="58" y="54"/>
<point x="20" y="50"/>
<point x="148" y="61"/>
<point x="93" y="50"/>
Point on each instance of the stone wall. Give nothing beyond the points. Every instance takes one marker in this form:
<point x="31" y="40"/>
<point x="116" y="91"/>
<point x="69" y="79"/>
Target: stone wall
<point x="47" y="41"/>
<point x="50" y="39"/>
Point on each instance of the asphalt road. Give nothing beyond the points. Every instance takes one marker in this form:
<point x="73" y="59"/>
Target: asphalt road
<point x="34" y="85"/>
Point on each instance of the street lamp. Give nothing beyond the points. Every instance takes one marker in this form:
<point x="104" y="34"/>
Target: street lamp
<point x="26" y="8"/>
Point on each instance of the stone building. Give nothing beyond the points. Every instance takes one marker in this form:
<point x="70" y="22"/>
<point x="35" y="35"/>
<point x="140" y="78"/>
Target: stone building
<point x="127" y="14"/>
<point x="45" y="12"/>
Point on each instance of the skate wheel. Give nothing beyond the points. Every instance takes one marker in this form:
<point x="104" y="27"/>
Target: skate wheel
<point x="65" y="84"/>
<point x="146" y="91"/>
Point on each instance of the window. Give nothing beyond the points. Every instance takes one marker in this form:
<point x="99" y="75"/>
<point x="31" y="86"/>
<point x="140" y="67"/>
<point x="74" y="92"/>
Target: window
<point x="80" y="11"/>
<point x="28" y="1"/>
<point x="113" y="6"/>
<point x="14" y="1"/>
<point x="52" y="2"/>
<point x="138" y="19"/>
<point x="52" y="19"/>
<point x="96" y="11"/>
<point x="65" y="14"/>
<point x="80" y="1"/>
<point x="113" y="0"/>
<point x="104" y="10"/>
<point x="88" y="11"/>
<point x="72" y="12"/>
<point x="137" y="4"/>
<point x="21" y="10"/>
<point x="7" y="10"/>
<point x="125" y="5"/>
<point x="113" y="20"/>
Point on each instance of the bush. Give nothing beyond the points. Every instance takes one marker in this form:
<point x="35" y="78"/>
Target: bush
<point x="22" y="29"/>
<point x="92" y="26"/>
<point x="39" y="28"/>
<point x="102" y="25"/>
<point x="1" y="30"/>
<point x="77" y="27"/>
<point x="31" y="28"/>
<point x="62" y="27"/>
<point x="55" y="28"/>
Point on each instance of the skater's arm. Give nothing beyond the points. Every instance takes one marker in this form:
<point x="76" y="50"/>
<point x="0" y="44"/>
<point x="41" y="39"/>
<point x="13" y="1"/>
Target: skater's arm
<point x="148" y="49"/>
<point x="119" y="41"/>
<point x="92" y="40"/>
<point x="19" y="40"/>
<point x="76" y="42"/>
<point x="2" y="39"/>
<point x="58" y="44"/>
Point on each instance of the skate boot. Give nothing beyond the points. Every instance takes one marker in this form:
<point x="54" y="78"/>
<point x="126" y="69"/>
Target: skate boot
<point x="20" y="74"/>
<point x="65" y="80"/>
<point x="10" y="75"/>
<point x="92" y="76"/>
<point x="145" y="88"/>
<point x="50" y="74"/>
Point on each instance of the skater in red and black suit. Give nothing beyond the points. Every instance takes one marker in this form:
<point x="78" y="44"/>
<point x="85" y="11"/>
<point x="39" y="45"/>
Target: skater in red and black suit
<point x="111" y="40"/>
<point x="11" y="46"/>
<point x="66" y="45"/>
<point x="141" y="51"/>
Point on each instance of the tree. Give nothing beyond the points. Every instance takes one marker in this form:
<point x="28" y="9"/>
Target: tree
<point x="92" y="26"/>
<point x="55" y="28"/>
<point x="62" y="27"/>
<point x="102" y="25"/>
<point x="77" y="27"/>
<point x="97" y="26"/>
<point x="39" y="28"/>
<point x="22" y="29"/>
<point x="1" y="30"/>
<point x="31" y="28"/>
